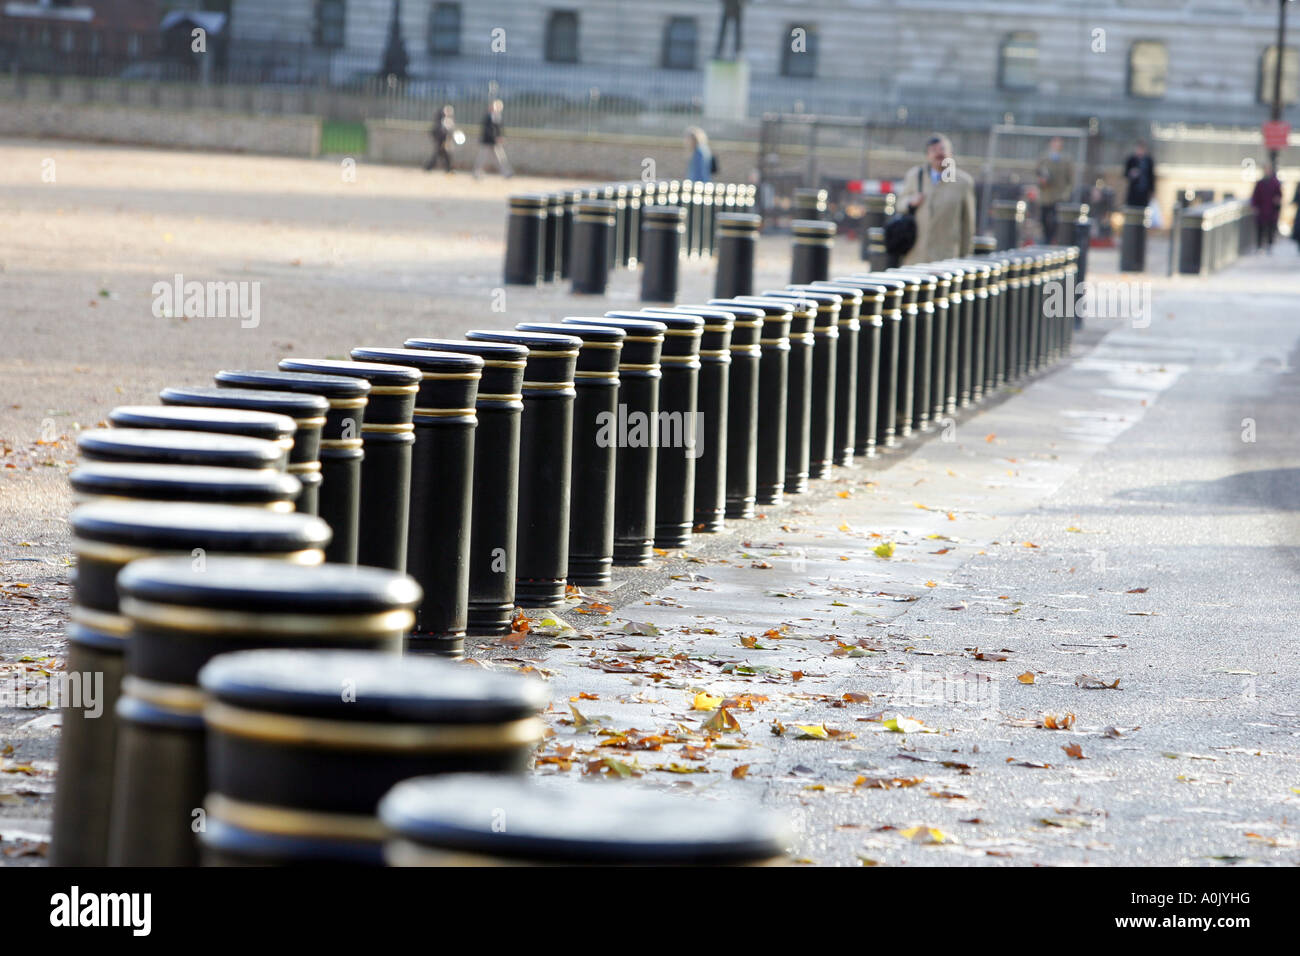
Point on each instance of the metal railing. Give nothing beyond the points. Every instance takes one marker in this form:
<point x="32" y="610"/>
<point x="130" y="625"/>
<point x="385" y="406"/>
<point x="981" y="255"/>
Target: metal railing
<point x="1212" y="236"/>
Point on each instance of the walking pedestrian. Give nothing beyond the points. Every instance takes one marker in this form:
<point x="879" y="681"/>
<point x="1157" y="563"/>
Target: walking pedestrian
<point x="1140" y="173"/>
<point x="1055" y="181"/>
<point x="1267" y="203"/>
<point x="941" y="198"/>
<point x="444" y="133"/>
<point x="701" y="167"/>
<point x="492" y="137"/>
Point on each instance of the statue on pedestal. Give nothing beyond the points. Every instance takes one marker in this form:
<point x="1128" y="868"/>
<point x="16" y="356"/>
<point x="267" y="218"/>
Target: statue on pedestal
<point x="730" y="14"/>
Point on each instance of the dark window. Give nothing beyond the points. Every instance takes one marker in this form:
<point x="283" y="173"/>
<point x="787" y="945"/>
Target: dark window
<point x="681" y="40"/>
<point x="562" y="37"/>
<point x="327" y="31"/>
<point x="1267" y="67"/>
<point x="1148" y="69"/>
<point x="1018" y="67"/>
<point x="444" y="29"/>
<point x="799" y="50"/>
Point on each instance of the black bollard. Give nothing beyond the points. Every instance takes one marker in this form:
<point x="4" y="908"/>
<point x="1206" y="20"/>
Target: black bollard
<point x="710" y="499"/>
<point x="846" y="375"/>
<point x="494" y="505"/>
<point x="632" y="237"/>
<point x="1133" y="239"/>
<point x="635" y="433"/>
<point x="813" y="241"/>
<point x="596" y="380"/>
<point x="553" y="238"/>
<point x="308" y="414"/>
<point x="442" y="478"/>
<point x="617" y="194"/>
<point x="742" y="407"/>
<point x="1012" y="315"/>
<point x="999" y="310"/>
<point x="879" y="208"/>
<point x="809" y="203"/>
<point x="105" y="536"/>
<point x="821" y="407"/>
<point x="1069" y="217"/>
<point x="925" y="388"/>
<point x="678" y="432"/>
<point x="773" y="396"/>
<point x="737" y="239"/>
<point x="572" y="197"/>
<point x="1008" y="221"/>
<point x="181" y="617"/>
<point x="878" y="359"/>
<point x="387" y="437"/>
<point x="984" y="245"/>
<point x="909" y="343"/>
<point x="593" y="237"/>
<point x="296" y="769"/>
<point x="249" y="487"/>
<point x="162" y="447"/>
<point x="277" y="429"/>
<point x="974" y="313"/>
<point x="804" y="312"/>
<point x="933" y="301"/>
<point x="877" y="255"/>
<point x="545" y="457"/>
<point x="707" y="224"/>
<point x="662" y="231"/>
<point x="448" y="820"/>
<point x="526" y="239"/>
<point x="340" y="444"/>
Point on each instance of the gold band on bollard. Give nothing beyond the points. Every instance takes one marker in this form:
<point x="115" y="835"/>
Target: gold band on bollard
<point x="346" y="734"/>
<point x="122" y="553"/>
<point x="302" y="423"/>
<point x="204" y="620"/>
<point x="386" y="428"/>
<point x="302" y="467"/>
<point x="445" y="412"/>
<point x="104" y="621"/>
<point x="394" y="389"/>
<point x="340" y="442"/>
<point x="285" y="821"/>
<point x="450" y="376"/>
<point x="175" y="698"/>
<point x="347" y="403"/>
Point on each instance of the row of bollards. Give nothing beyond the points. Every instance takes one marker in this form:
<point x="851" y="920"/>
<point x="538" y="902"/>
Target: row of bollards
<point x="474" y="475"/>
<point x="584" y="234"/>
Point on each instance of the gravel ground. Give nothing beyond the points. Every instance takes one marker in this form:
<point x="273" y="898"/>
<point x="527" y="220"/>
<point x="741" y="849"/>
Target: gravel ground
<point x="1106" y="522"/>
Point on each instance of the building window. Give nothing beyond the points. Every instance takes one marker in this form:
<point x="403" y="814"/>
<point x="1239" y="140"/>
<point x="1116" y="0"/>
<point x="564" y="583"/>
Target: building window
<point x="1290" y="74"/>
<point x="328" y="29"/>
<point x="681" y="40"/>
<point x="562" y="37"/>
<point x="1148" y="69"/>
<point x="1019" y="62"/>
<point x="799" y="51"/>
<point x="444" y="29"/>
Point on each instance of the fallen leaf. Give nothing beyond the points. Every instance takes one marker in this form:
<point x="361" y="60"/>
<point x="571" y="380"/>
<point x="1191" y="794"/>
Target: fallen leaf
<point x="885" y="550"/>
<point x="1026" y="678"/>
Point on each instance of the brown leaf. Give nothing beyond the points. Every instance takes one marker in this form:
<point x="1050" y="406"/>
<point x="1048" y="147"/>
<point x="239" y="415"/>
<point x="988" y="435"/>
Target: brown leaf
<point x="1075" y="751"/>
<point x="740" y="772"/>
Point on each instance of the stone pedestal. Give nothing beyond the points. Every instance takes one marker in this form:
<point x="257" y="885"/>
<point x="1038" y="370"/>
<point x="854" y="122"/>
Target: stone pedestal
<point x="726" y="90"/>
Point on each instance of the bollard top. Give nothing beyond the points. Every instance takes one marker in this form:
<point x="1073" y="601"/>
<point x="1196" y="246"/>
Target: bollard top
<point x="682" y="336"/>
<point x="297" y="405"/>
<point x="331" y="386"/>
<point x="425" y="360"/>
<point x="228" y="421"/>
<point x="711" y="316"/>
<point x="185" y="526"/>
<point x="258" y="585"/>
<point x="579" y="327"/>
<point x="490" y="352"/>
<point x="739" y="221"/>
<point x="193" y="483"/>
<point x="530" y="200"/>
<point x="803" y="310"/>
<point x="388" y="688"/>
<point x="167" y="447"/>
<point x="772" y="308"/>
<point x="454" y="812"/>
<point x="533" y="341"/>
<point x="674" y="214"/>
<point x="375" y="373"/>
<point x="1009" y="209"/>
<point x="639" y="324"/>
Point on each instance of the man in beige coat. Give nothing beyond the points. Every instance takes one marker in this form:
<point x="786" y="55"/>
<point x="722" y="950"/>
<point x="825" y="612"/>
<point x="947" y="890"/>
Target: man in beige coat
<point x="942" y="198"/>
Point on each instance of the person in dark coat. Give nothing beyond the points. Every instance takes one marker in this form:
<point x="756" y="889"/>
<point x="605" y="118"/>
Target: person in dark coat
<point x="444" y="135"/>
<point x="1140" y="172"/>
<point x="492" y="137"/>
<point x="1267" y="203"/>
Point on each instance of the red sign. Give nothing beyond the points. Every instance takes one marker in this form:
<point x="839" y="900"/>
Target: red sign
<point x="1276" y="134"/>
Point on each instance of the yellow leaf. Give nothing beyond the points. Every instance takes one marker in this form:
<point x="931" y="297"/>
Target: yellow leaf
<point x="928" y="835"/>
<point x="885" y="550"/>
<point x="579" y="721"/>
<point x="814" y="731"/>
<point x="1026" y="678"/>
<point x="931" y="584"/>
<point x="705" y="701"/>
<point x="906" y="725"/>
